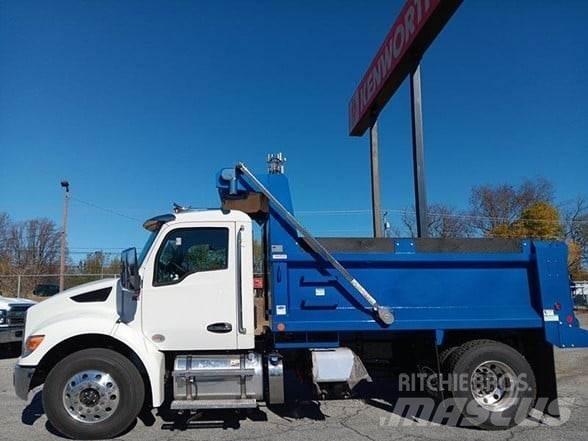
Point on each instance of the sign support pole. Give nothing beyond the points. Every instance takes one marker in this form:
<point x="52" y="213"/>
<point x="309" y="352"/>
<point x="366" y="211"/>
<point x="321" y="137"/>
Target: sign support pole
<point x="375" y="177"/>
<point x="418" y="153"/>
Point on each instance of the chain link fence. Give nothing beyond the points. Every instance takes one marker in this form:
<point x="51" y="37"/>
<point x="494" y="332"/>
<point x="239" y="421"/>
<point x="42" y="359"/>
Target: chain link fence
<point x="41" y="286"/>
<point x="580" y="294"/>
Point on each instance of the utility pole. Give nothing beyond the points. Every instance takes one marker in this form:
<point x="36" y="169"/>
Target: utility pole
<point x="375" y="169"/>
<point x="65" y="185"/>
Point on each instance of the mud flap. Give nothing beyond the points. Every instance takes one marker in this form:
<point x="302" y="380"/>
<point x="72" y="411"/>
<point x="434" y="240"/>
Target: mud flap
<point x="543" y="364"/>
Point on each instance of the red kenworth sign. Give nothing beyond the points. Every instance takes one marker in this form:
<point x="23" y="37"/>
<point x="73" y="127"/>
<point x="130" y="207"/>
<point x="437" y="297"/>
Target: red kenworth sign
<point x="413" y="31"/>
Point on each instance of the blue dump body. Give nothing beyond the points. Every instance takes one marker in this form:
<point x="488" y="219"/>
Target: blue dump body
<point x="429" y="284"/>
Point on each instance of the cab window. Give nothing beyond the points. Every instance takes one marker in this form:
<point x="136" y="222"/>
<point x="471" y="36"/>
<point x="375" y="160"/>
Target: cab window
<point x="186" y="251"/>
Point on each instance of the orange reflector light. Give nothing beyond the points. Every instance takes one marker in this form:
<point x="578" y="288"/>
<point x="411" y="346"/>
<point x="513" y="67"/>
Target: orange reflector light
<point x="33" y="342"/>
<point x="281" y="327"/>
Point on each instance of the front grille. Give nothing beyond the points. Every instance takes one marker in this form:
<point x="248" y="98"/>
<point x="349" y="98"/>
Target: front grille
<point x="17" y="314"/>
<point x="19" y="308"/>
<point x="16" y="320"/>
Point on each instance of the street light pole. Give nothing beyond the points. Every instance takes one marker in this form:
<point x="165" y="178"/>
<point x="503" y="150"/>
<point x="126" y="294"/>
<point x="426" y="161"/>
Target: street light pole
<point x="65" y="185"/>
<point x="375" y="178"/>
<point x="418" y="155"/>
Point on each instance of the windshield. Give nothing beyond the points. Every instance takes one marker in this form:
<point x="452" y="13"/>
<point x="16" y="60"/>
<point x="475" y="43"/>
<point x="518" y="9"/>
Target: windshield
<point x="146" y="247"/>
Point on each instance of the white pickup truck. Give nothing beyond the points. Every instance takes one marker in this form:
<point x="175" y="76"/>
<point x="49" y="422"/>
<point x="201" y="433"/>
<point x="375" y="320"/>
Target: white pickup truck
<point x="12" y="319"/>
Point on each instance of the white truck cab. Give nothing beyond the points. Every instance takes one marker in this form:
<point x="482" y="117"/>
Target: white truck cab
<point x="197" y="282"/>
<point x="189" y="290"/>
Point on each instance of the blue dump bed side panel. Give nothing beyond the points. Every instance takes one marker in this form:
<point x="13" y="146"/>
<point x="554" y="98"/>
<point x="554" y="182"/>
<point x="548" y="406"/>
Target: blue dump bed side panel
<point x="437" y="290"/>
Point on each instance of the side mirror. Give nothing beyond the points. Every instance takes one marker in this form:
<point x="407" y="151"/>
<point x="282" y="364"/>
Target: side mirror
<point x="129" y="276"/>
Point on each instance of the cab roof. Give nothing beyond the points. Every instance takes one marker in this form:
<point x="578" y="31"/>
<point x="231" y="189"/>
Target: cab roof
<point x="196" y="215"/>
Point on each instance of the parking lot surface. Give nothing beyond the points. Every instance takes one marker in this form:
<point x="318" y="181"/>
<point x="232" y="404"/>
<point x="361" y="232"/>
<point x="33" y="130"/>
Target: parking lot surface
<point x="328" y="420"/>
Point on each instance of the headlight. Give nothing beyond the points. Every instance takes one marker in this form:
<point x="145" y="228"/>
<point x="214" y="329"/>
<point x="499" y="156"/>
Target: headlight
<point x="2" y="316"/>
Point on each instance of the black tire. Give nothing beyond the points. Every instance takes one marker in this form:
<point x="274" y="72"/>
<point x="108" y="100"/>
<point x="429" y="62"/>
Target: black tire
<point x="463" y="362"/>
<point x="131" y="391"/>
<point x="444" y="356"/>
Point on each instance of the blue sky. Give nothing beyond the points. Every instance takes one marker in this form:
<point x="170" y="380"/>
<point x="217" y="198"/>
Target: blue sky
<point x="139" y="103"/>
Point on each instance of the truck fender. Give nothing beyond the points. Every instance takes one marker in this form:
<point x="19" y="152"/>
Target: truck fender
<point x="57" y="329"/>
<point x="57" y="332"/>
<point x="152" y="359"/>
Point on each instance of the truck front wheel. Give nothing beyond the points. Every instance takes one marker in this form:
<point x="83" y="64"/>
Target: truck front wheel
<point x="93" y="394"/>
<point x="493" y="384"/>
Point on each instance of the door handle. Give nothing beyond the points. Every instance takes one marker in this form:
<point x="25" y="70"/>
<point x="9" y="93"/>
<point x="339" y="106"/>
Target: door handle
<point x="219" y="328"/>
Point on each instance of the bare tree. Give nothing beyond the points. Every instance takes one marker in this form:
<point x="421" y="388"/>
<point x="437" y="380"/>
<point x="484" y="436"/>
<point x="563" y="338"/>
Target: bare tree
<point x="96" y="265"/>
<point x="493" y="206"/>
<point x="576" y="221"/>
<point x="442" y="221"/>
<point x="32" y="246"/>
<point x="29" y="247"/>
<point x="4" y="223"/>
<point x="4" y="227"/>
<point x="576" y="234"/>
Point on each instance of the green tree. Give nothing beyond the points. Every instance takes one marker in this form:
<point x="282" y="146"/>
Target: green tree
<point x="202" y="258"/>
<point x="540" y="220"/>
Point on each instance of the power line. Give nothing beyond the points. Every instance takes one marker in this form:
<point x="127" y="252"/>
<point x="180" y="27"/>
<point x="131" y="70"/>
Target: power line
<point x="407" y="211"/>
<point x="106" y="210"/>
<point x="108" y="253"/>
<point x="80" y="250"/>
<point x="335" y="212"/>
<point x="97" y="248"/>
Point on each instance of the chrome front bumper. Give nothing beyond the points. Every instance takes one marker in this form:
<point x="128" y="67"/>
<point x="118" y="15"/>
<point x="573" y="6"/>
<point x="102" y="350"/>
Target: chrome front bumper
<point x="11" y="334"/>
<point x="22" y="378"/>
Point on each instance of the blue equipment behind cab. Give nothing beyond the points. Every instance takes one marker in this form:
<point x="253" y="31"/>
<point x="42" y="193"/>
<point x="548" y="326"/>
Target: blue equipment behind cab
<point x="429" y="284"/>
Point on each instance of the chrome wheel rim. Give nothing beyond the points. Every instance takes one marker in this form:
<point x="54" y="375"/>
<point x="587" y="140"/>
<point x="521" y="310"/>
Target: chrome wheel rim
<point x="494" y="385"/>
<point x="91" y="396"/>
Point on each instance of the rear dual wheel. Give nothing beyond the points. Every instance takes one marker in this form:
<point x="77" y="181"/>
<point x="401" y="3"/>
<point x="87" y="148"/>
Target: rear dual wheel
<point x="493" y="384"/>
<point x="93" y="394"/>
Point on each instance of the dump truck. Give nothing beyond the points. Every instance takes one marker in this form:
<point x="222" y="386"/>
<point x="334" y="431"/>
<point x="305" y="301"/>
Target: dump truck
<point x="183" y="331"/>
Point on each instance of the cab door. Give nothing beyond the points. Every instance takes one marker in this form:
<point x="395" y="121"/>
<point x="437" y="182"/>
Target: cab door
<point x="189" y="288"/>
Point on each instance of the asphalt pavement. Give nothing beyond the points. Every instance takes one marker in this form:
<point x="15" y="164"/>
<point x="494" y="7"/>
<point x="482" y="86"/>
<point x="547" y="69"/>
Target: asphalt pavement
<point x="328" y="420"/>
